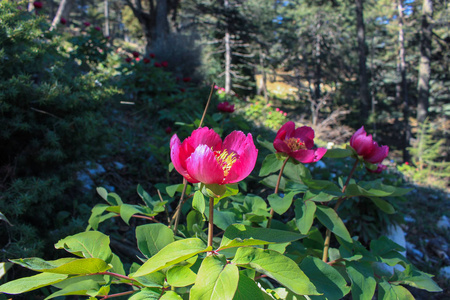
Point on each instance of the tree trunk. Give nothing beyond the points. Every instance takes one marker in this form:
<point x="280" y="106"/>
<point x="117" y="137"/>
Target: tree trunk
<point x="161" y="29"/>
<point x="263" y="75"/>
<point x="63" y="10"/>
<point x="362" y="50"/>
<point x="402" y="69"/>
<point x="318" y="66"/>
<point x="227" y="57"/>
<point x="423" y="84"/>
<point x="106" y="18"/>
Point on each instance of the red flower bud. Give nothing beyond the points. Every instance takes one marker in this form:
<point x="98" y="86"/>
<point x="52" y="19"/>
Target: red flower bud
<point x="98" y="28"/>
<point x="157" y="64"/>
<point x="135" y="53"/>
<point x="152" y="55"/>
<point x="165" y="64"/>
<point x="128" y="59"/>
<point x="87" y="24"/>
<point x="63" y="21"/>
<point x="38" y="4"/>
<point x="186" y="79"/>
<point x="225" y="107"/>
<point x="146" y="60"/>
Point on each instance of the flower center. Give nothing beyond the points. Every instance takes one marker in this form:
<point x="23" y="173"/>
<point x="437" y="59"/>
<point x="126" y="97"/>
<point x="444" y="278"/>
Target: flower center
<point x="225" y="160"/>
<point x="295" y="144"/>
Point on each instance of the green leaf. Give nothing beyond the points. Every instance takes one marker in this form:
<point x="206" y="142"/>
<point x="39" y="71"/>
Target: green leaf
<point x="114" y="199"/>
<point x="326" y="278"/>
<point x="231" y="190"/>
<point x="354" y="190"/>
<point x="329" y="218"/>
<point x="318" y="196"/>
<point x="96" y="215"/>
<point x="180" y="276"/>
<point x="383" y="205"/>
<point x="170" y="295"/>
<point x="84" y="288"/>
<point x="281" y="205"/>
<point x="68" y="265"/>
<point x="146" y="294"/>
<point x="276" y="266"/>
<point x="363" y="280"/>
<point x="4" y="267"/>
<point x="383" y="245"/>
<point x="27" y="284"/>
<point x="266" y="144"/>
<point x="418" y="279"/>
<point x="216" y="280"/>
<point x="3" y="218"/>
<point x="144" y="196"/>
<point x="296" y="171"/>
<point x="338" y="153"/>
<point x="247" y="289"/>
<point x="389" y="291"/>
<point x="270" y="164"/>
<point x="127" y="211"/>
<point x="172" y="189"/>
<point x="271" y="181"/>
<point x="172" y="254"/>
<point x="212" y="190"/>
<point x="198" y="203"/>
<point x="304" y="215"/>
<point x="103" y="193"/>
<point x="87" y="244"/>
<point x="223" y="219"/>
<point x="323" y="185"/>
<point x="153" y="280"/>
<point x="239" y="235"/>
<point x="151" y="238"/>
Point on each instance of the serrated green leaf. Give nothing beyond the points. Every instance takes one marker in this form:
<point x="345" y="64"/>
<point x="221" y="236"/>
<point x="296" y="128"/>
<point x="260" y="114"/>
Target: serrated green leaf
<point x="270" y="165"/>
<point x="216" y="280"/>
<point x="247" y="289"/>
<point x="198" y="203"/>
<point x="87" y="244"/>
<point x="363" y="280"/>
<point x="172" y="254"/>
<point x="151" y="238"/>
<point x="329" y="218"/>
<point x="27" y="284"/>
<point x="180" y="276"/>
<point x="64" y="265"/>
<point x="276" y="266"/>
<point x="304" y="215"/>
<point x="239" y="235"/>
<point x="326" y="279"/>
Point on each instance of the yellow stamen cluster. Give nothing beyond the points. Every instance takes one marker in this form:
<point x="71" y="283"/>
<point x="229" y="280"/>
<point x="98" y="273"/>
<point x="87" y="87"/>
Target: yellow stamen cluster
<point x="225" y="160"/>
<point x="295" y="144"/>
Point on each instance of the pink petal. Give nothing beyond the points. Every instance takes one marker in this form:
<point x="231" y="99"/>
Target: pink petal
<point x="362" y="144"/>
<point x="304" y="156"/>
<point x="179" y="164"/>
<point x="286" y="131"/>
<point x="359" y="132"/>
<point x="319" y="153"/>
<point x="378" y="154"/>
<point x="205" y="136"/>
<point x="281" y="146"/>
<point x="306" y="135"/>
<point x="234" y="142"/>
<point x="203" y="167"/>
<point x="245" y="163"/>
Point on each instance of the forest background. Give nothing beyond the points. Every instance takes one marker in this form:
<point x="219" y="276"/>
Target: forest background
<point x="97" y="88"/>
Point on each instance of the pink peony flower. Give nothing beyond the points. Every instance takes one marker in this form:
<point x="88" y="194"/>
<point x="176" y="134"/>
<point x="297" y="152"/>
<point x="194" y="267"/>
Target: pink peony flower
<point x="87" y="24"/>
<point x="63" y="21"/>
<point x="157" y="64"/>
<point x="98" y="28"/>
<point x="225" y="107"/>
<point x="380" y="168"/>
<point x="146" y="60"/>
<point x="135" y="53"/>
<point x="367" y="148"/>
<point x="407" y="163"/>
<point x="38" y="4"/>
<point x="203" y="157"/>
<point x="137" y="59"/>
<point x="165" y="64"/>
<point x="298" y="143"/>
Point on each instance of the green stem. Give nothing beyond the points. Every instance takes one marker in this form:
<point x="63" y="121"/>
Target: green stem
<point x="326" y="244"/>
<point x="277" y="186"/>
<point x="211" y="221"/>
<point x="180" y="204"/>
<point x="115" y="275"/>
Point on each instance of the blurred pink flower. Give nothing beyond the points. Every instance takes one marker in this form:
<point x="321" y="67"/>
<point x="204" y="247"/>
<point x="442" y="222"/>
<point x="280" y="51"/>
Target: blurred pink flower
<point x="157" y="64"/>
<point x="135" y="53"/>
<point x="380" y="168"/>
<point x="225" y="107"/>
<point x="63" y="21"/>
<point x="38" y="4"/>
<point x="87" y="24"/>
<point x="146" y="60"/>
<point x="98" y="28"/>
<point x="128" y="59"/>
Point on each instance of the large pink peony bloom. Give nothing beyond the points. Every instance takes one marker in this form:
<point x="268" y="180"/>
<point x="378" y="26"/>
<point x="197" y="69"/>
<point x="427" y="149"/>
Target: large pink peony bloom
<point x="203" y="157"/>
<point x="367" y="148"/>
<point x="298" y="143"/>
